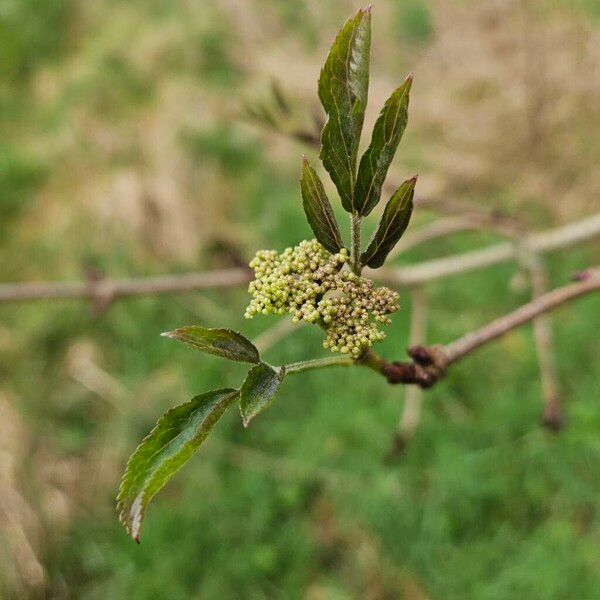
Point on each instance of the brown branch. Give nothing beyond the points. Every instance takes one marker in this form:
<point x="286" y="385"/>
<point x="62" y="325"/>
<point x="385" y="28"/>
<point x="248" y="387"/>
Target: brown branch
<point x="113" y="289"/>
<point x="590" y="283"/>
<point x="429" y="363"/>
<point x="413" y="399"/>
<point x="557" y="239"/>
<point x="104" y="291"/>
<point x="552" y="416"/>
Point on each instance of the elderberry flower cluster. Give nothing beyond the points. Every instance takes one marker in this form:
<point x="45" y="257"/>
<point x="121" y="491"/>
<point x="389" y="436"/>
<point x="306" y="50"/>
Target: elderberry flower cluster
<point x="314" y="286"/>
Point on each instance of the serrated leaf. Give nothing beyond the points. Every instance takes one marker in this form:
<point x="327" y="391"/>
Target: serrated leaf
<point x="343" y="90"/>
<point x="318" y="210"/>
<point x="172" y="442"/>
<point x="374" y="164"/>
<point x="392" y="225"/>
<point x="221" y="342"/>
<point x="259" y="389"/>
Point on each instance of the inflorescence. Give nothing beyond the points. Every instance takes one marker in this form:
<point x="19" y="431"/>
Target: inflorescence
<point x="314" y="286"/>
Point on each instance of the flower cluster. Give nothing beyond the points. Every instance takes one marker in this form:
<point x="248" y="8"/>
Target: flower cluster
<point x="313" y="285"/>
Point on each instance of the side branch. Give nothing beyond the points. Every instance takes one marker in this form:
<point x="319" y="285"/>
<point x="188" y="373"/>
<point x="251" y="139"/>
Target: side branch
<point x="429" y="363"/>
<point x="107" y="290"/>
<point x="432" y="270"/>
<point x="590" y="283"/>
<point x="103" y="291"/>
<point x="552" y="416"/>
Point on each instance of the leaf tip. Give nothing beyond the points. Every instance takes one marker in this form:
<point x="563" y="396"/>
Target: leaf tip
<point x="414" y="178"/>
<point x="168" y="334"/>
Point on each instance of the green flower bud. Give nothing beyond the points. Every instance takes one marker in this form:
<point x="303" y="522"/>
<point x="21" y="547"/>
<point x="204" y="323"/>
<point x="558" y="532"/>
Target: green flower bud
<point x="296" y="281"/>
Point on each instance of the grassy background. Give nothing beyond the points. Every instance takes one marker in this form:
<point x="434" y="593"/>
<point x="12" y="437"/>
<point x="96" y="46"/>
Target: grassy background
<point x="124" y="150"/>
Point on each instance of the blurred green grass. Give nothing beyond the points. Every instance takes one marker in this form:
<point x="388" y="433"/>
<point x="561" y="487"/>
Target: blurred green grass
<point x="484" y="504"/>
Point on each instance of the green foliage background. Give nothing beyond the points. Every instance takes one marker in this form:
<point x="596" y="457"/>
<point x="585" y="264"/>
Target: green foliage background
<point x="122" y="150"/>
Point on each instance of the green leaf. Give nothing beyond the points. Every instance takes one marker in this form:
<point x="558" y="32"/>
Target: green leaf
<point x="259" y="389"/>
<point x="343" y="90"/>
<point x="374" y="164"/>
<point x="318" y="210"/>
<point x="221" y="342"/>
<point x="171" y="443"/>
<point x="392" y="225"/>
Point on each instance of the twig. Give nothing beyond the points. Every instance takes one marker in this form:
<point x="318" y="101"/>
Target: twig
<point x="109" y="290"/>
<point x="413" y="399"/>
<point x="414" y="394"/>
<point x="568" y="235"/>
<point x="557" y="239"/>
<point x="121" y="288"/>
<point x="429" y="363"/>
<point x="538" y="306"/>
<point x="552" y="416"/>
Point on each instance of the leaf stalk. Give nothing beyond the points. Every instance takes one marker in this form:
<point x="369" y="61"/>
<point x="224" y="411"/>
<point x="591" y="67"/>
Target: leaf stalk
<point x="318" y="363"/>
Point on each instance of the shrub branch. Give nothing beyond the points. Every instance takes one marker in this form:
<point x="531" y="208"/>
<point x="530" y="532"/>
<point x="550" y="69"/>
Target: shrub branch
<point x="430" y="363"/>
<point x="106" y="290"/>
